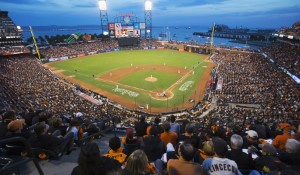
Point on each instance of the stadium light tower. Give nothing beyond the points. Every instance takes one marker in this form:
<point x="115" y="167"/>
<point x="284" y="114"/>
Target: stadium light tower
<point x="103" y="16"/>
<point x="148" y="19"/>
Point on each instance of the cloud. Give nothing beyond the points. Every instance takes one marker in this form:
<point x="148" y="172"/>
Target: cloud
<point x="232" y="7"/>
<point x="164" y="11"/>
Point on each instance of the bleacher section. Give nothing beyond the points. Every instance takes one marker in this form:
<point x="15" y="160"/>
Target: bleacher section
<point x="10" y="34"/>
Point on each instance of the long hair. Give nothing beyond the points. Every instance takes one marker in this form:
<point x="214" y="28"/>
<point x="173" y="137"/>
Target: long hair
<point x="137" y="163"/>
<point x="89" y="159"/>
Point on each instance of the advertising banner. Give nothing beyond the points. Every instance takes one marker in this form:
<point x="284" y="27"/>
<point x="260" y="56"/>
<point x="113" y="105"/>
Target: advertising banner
<point x="111" y="26"/>
<point x="118" y="26"/>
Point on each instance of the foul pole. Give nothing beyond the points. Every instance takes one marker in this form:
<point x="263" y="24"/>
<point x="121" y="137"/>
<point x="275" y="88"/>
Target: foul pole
<point x="212" y="38"/>
<point x="35" y="44"/>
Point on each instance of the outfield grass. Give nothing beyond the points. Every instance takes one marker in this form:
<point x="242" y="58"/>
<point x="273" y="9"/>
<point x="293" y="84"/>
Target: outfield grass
<point x="84" y="68"/>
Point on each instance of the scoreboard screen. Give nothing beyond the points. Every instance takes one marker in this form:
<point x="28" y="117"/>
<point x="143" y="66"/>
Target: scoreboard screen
<point x="119" y="31"/>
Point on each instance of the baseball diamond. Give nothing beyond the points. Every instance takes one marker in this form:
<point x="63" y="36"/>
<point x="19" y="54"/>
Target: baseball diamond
<point x="160" y="79"/>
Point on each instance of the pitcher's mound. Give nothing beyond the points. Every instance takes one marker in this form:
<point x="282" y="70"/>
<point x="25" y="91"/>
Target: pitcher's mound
<point x="151" y="79"/>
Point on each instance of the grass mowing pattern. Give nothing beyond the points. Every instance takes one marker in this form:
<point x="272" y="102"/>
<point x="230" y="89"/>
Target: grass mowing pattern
<point x="137" y="79"/>
<point x="99" y="64"/>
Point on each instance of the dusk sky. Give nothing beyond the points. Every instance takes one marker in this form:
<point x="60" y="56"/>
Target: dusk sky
<point x="248" y="13"/>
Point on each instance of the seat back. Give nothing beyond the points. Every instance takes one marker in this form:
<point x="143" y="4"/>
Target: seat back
<point x="11" y="163"/>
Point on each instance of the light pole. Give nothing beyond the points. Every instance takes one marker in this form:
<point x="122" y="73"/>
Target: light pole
<point x="103" y="16"/>
<point x="148" y="19"/>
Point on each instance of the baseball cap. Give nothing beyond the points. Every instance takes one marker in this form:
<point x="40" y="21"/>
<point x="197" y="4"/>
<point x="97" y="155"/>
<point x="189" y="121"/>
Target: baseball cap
<point x="252" y="133"/>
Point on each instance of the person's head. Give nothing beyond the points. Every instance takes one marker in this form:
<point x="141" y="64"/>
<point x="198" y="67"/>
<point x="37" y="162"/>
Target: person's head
<point x="129" y="133"/>
<point x="41" y="128"/>
<point x="297" y="136"/>
<point x="75" y="122"/>
<point x="208" y="148"/>
<point x="214" y="128"/>
<point x="173" y="118"/>
<point x="236" y="141"/>
<point x="252" y="135"/>
<point x="114" y="143"/>
<point x="292" y="146"/>
<point x="89" y="158"/>
<point x="16" y="126"/>
<point x="137" y="163"/>
<point x="57" y="122"/>
<point x="189" y="128"/>
<point x="9" y="116"/>
<point x="220" y="147"/>
<point x="285" y="127"/>
<point x="167" y="126"/>
<point x="157" y="120"/>
<point x="186" y="151"/>
<point x="143" y="118"/>
<point x="153" y="131"/>
<point x="269" y="150"/>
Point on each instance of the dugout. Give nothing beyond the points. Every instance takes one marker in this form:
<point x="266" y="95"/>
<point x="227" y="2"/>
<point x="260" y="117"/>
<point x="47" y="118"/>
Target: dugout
<point x="196" y="49"/>
<point x="128" y="42"/>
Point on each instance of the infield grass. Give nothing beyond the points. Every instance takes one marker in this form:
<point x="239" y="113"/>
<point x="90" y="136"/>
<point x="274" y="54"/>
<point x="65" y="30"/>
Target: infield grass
<point x="137" y="79"/>
<point x="84" y="68"/>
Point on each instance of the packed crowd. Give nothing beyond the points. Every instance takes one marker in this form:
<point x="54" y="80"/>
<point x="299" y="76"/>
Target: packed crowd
<point x="251" y="79"/>
<point x="13" y="50"/>
<point x="78" y="48"/>
<point x="51" y="110"/>
<point x="170" y="148"/>
<point x="285" y="55"/>
<point x="149" y="43"/>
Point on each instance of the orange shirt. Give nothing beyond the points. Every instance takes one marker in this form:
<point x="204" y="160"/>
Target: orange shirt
<point x="117" y="155"/>
<point x="280" y="140"/>
<point x="169" y="137"/>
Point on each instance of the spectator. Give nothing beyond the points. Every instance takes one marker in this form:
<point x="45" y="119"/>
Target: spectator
<point x="116" y="152"/>
<point x="184" y="164"/>
<point x="280" y="140"/>
<point x="15" y="128"/>
<point x="157" y="121"/>
<point x="243" y="160"/>
<point x="268" y="161"/>
<point x="92" y="163"/>
<point x="207" y="151"/>
<point x="219" y="164"/>
<point x="153" y="146"/>
<point x="250" y="139"/>
<point x="76" y="130"/>
<point x="51" y="142"/>
<point x="137" y="164"/>
<point x="57" y="125"/>
<point x="141" y="127"/>
<point x="175" y="127"/>
<point x="260" y="129"/>
<point x="167" y="136"/>
<point x="129" y="138"/>
<point x="292" y="155"/>
<point x="6" y="119"/>
<point x="189" y="136"/>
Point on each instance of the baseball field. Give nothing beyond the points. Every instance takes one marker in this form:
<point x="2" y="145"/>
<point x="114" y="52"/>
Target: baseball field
<point x="151" y="80"/>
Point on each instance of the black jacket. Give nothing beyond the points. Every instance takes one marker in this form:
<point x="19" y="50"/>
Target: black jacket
<point x="243" y="160"/>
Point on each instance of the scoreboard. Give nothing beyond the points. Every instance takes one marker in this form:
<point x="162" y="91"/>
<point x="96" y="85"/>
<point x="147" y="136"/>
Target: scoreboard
<point x="118" y="30"/>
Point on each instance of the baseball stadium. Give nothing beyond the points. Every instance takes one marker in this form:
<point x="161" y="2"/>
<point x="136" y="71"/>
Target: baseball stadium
<point x="130" y="99"/>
